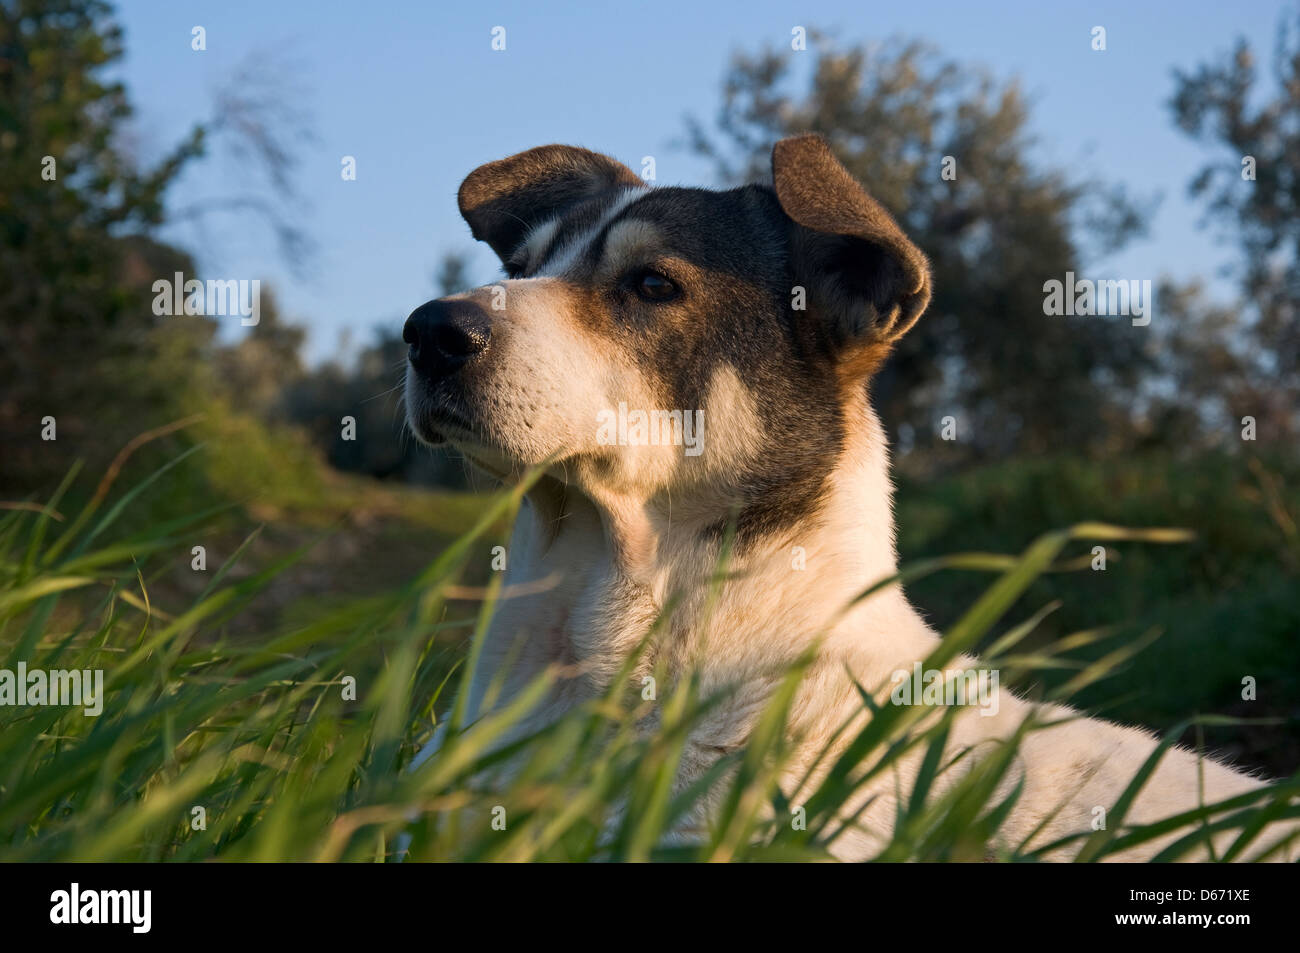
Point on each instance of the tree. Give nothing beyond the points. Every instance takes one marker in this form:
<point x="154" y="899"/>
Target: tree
<point x="72" y="291"/>
<point x="256" y="371"/>
<point x="1252" y="194"/>
<point x="945" y="148"/>
<point x="452" y="275"/>
<point x="80" y="339"/>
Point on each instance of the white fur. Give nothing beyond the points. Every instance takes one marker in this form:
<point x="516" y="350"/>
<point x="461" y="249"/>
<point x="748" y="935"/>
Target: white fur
<point x="621" y="553"/>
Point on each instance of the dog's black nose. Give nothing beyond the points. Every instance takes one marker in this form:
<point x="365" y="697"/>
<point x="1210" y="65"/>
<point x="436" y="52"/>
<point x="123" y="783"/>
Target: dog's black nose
<point x="445" y="334"/>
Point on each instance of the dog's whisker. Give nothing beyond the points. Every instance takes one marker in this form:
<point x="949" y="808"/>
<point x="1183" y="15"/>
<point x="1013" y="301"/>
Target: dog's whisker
<point x="382" y="394"/>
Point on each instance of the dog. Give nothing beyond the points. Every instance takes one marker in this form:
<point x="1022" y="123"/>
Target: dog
<point x="691" y="369"/>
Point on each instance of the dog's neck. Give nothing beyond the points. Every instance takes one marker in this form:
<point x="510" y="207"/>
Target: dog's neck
<point x="619" y="562"/>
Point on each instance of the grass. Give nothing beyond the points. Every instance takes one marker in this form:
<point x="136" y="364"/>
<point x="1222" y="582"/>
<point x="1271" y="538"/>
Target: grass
<point x="1224" y="601"/>
<point x="298" y="744"/>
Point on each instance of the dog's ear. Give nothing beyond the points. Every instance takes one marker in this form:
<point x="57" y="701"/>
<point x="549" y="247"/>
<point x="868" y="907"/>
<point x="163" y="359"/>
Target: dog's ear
<point x="504" y="200"/>
<point x="871" y="282"/>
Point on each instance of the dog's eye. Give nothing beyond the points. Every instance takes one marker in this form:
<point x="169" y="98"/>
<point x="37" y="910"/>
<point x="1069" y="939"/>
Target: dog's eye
<point x="652" y="286"/>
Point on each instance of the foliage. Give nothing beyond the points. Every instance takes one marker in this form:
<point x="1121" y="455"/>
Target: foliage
<point x="1252" y="194"/>
<point x="994" y="231"/>
<point x="1224" y="602"/>
<point x="208" y="747"/>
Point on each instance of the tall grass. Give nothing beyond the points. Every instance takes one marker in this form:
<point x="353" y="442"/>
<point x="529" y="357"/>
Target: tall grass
<point x="300" y="746"/>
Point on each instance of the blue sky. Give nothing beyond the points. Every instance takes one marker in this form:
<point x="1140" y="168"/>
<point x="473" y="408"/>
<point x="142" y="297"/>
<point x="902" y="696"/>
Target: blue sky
<point x="415" y="92"/>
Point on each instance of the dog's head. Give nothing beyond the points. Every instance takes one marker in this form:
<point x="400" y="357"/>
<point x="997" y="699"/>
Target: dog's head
<point x="655" y="339"/>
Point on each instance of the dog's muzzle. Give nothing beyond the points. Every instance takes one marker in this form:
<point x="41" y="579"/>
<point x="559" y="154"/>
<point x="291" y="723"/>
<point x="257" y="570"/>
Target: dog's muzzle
<point x="445" y="336"/>
<point x="447" y="339"/>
